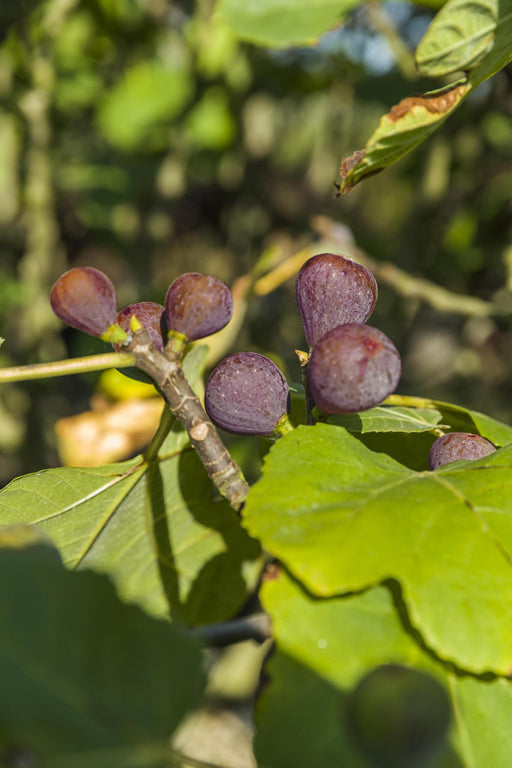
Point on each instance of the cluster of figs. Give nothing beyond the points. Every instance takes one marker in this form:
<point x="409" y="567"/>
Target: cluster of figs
<point x="351" y="366"/>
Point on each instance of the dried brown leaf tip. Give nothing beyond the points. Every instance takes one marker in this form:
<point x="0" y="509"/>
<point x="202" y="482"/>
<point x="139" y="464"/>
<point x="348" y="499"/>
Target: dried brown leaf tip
<point x="349" y="163"/>
<point x="346" y="168"/>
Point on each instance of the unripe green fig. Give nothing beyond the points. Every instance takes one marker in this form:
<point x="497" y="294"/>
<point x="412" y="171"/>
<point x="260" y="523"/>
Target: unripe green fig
<point x="398" y="717"/>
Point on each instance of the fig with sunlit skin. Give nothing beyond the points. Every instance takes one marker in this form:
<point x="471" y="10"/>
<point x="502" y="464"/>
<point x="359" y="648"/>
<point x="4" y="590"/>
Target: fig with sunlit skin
<point x="352" y="368"/>
<point x="247" y="394"/>
<point x="198" y="305"/>
<point x="457" y="446"/>
<point x="332" y="290"/>
<point x="85" y="299"/>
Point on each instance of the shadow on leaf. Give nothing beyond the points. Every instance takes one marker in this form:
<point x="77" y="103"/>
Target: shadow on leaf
<point x="207" y="562"/>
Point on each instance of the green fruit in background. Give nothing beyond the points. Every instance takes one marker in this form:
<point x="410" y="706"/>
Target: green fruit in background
<point x="398" y="717"/>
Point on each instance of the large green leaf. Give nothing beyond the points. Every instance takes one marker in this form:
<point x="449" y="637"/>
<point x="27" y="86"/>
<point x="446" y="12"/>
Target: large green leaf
<point x="458" y="37"/>
<point x="407" y="414"/>
<point x="281" y="23"/>
<point x="325" y="648"/>
<point x="342" y="517"/>
<point x="87" y="681"/>
<point x="155" y="528"/>
<point x="412" y="447"/>
<point x="414" y="118"/>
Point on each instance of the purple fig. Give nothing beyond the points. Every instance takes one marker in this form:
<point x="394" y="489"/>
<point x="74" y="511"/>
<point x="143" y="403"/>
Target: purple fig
<point x="332" y="290"/>
<point x="198" y="305"/>
<point x="247" y="394"/>
<point x="456" y="446"/>
<point x="85" y="299"/>
<point x="352" y="368"/>
<point x="150" y="315"/>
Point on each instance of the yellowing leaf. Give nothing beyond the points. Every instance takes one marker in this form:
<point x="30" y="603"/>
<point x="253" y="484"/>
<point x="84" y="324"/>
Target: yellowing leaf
<point x="475" y="36"/>
<point x="409" y="123"/>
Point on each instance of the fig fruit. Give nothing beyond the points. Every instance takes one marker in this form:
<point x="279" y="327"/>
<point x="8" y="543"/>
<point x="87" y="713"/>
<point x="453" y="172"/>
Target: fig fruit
<point x="332" y="290"/>
<point x="150" y="315"/>
<point x="247" y="394"/>
<point x="85" y="299"/>
<point x="352" y="368"/>
<point x="455" y="446"/>
<point x="198" y="305"/>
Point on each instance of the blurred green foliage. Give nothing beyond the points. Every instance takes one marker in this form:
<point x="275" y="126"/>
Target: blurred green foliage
<point x="144" y="138"/>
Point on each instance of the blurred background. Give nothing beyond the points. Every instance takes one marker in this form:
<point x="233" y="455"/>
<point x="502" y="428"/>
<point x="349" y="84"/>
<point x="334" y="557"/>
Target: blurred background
<point x="143" y="138"/>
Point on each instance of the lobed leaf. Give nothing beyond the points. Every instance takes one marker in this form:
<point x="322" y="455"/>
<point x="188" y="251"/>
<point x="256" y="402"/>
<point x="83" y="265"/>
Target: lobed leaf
<point x="412" y="449"/>
<point x="343" y="518"/>
<point x="324" y="649"/>
<point x="466" y="420"/>
<point x="86" y="679"/>
<point x="155" y="529"/>
<point x="458" y="418"/>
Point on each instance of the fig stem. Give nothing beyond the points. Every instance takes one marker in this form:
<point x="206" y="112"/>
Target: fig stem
<point x="309" y="403"/>
<point x="185" y="405"/>
<point x="284" y="425"/>
<point x="114" y="334"/>
<point x="67" y="367"/>
<point x="176" y="343"/>
<point x="411" y="401"/>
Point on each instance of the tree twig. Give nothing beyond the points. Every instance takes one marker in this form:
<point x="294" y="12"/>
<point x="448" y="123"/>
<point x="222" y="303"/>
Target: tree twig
<point x="385" y="272"/>
<point x="168" y="375"/>
<point x="255" y="627"/>
<point x="67" y="367"/>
